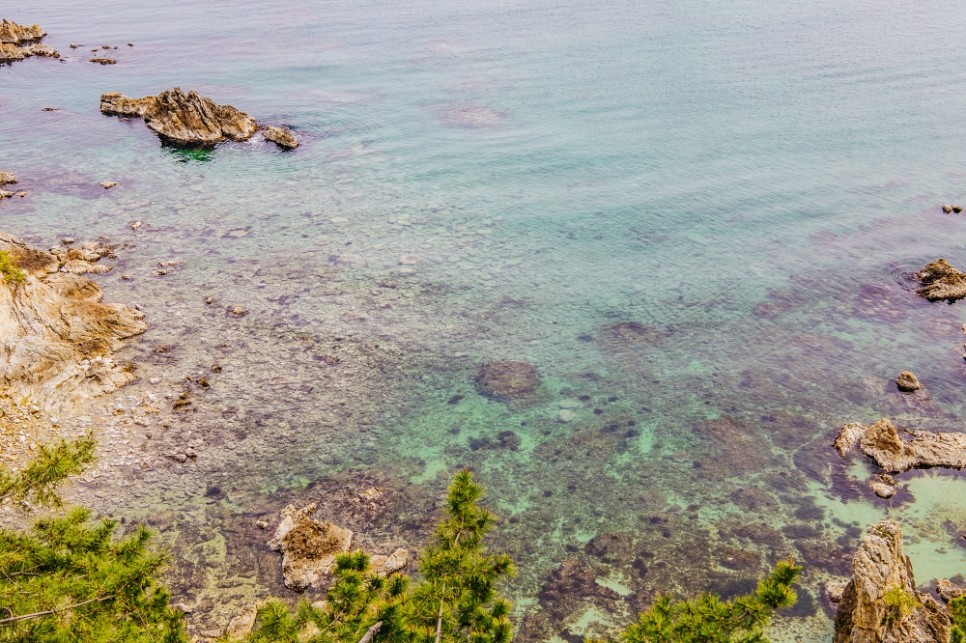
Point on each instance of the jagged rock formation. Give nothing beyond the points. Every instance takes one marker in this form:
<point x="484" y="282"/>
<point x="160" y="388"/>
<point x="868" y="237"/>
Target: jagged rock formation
<point x="184" y="119"/>
<point x="507" y="380"/>
<point x="20" y="41"/>
<point x="281" y="136"/>
<point x="941" y="281"/>
<point x="880" y="603"/>
<point x="881" y="442"/>
<point x="309" y="548"/>
<point x="57" y="338"/>
<point x="948" y="591"/>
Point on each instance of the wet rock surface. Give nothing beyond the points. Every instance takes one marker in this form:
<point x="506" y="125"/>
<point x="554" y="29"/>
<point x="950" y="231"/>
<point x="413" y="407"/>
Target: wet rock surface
<point x="881" y="442"/>
<point x="184" y="119"/>
<point x="880" y="574"/>
<point x="941" y="281"/>
<point x="508" y="380"/>
<point x="281" y="136"/>
<point x="58" y="336"/>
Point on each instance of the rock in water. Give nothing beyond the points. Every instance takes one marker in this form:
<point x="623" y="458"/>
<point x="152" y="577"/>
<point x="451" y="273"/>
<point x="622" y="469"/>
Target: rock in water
<point x="58" y="339"/>
<point x="12" y="33"/>
<point x="16" y="39"/>
<point x="281" y="136"/>
<point x="880" y="604"/>
<point x="508" y="380"/>
<point x="7" y="177"/>
<point x="308" y="547"/>
<point x="881" y="442"/>
<point x="116" y="104"/>
<point x="184" y="119"/>
<point x="941" y="281"/>
<point x="907" y="382"/>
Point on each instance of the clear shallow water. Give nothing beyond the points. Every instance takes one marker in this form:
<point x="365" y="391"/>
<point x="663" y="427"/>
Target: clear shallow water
<point x="751" y="182"/>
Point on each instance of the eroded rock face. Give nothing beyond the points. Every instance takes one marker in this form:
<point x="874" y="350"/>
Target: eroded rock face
<point x="20" y="41"/>
<point x="867" y="612"/>
<point x="881" y="442"/>
<point x="58" y="338"/>
<point x="508" y="380"/>
<point x="281" y="136"/>
<point x="941" y="281"/>
<point x="184" y="119"/>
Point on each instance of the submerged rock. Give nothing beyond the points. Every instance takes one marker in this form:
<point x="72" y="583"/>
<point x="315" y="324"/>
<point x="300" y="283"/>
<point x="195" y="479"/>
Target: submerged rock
<point x="58" y="339"/>
<point x="880" y="603"/>
<point x="281" y="136"/>
<point x="308" y="547"/>
<point x="881" y="442"/>
<point x="20" y="41"/>
<point x="508" y="380"/>
<point x="184" y="119"/>
<point x="941" y="281"/>
<point x="907" y="382"/>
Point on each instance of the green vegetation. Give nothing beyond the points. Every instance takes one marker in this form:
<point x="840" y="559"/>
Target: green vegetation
<point x="708" y="619"/>
<point x="70" y="580"/>
<point x="9" y="270"/>
<point x="454" y="599"/>
<point x="899" y="603"/>
<point x="957" y="611"/>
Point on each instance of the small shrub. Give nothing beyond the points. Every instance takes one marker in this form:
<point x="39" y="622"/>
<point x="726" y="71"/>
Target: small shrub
<point x="11" y="272"/>
<point x="899" y="603"/>
<point x="957" y="611"/>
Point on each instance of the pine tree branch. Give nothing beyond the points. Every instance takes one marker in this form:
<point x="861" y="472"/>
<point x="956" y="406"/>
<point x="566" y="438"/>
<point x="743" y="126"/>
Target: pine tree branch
<point x="371" y="633"/>
<point x="27" y="617"/>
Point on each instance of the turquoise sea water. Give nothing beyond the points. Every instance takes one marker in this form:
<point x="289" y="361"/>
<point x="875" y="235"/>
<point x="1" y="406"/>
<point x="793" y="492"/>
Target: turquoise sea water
<point x="750" y="183"/>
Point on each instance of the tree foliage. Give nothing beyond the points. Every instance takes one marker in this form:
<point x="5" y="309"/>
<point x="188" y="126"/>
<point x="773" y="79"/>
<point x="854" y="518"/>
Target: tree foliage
<point x="68" y="579"/>
<point x="454" y="598"/>
<point x="957" y="611"/>
<point x="709" y="619"/>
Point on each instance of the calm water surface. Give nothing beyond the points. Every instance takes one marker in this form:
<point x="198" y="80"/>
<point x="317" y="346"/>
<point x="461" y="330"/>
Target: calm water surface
<point x="750" y="184"/>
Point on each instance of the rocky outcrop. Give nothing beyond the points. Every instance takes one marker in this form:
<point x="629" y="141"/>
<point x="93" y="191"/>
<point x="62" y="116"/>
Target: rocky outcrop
<point x="7" y="178"/>
<point x="941" y="281"/>
<point x="309" y="548"/>
<point x="881" y="442"/>
<point x="880" y="603"/>
<point x="58" y="338"/>
<point x="184" y="119"/>
<point x="508" y="380"/>
<point x="117" y="104"/>
<point x="20" y="41"/>
<point x="907" y="382"/>
<point x="281" y="136"/>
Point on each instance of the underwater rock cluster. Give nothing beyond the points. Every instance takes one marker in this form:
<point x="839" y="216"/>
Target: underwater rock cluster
<point x="58" y="336"/>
